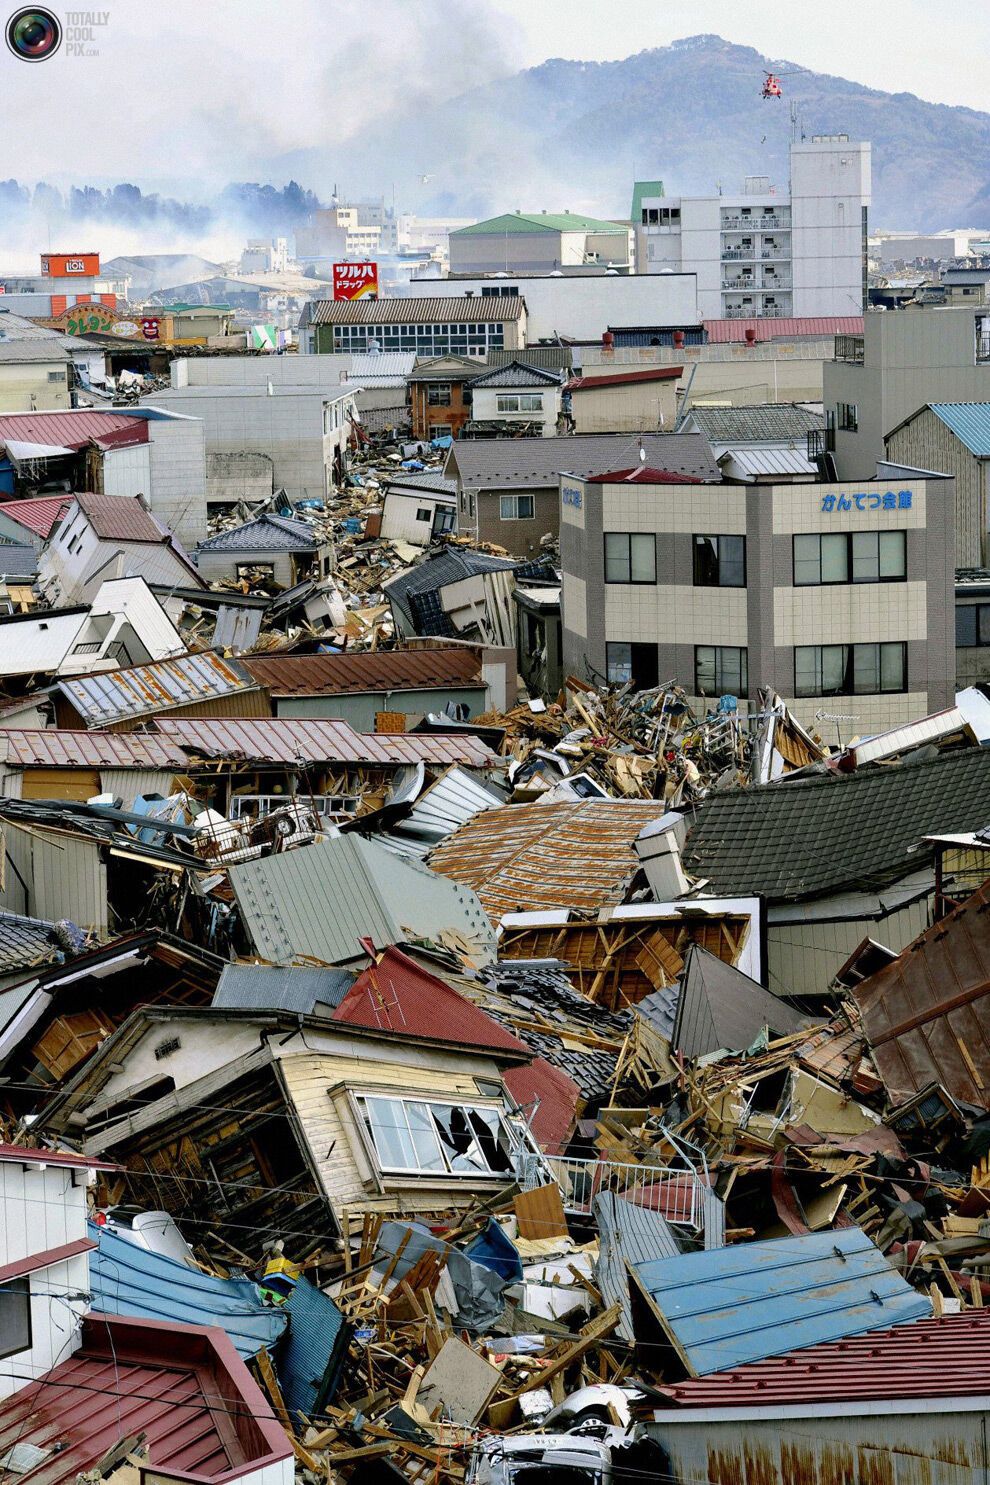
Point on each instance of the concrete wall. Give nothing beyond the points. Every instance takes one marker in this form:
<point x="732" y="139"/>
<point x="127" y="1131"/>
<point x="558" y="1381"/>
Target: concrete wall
<point x="830" y="186"/>
<point x="583" y="306"/>
<point x="178" y="475"/>
<point x="231" y="477"/>
<point x="26" y="386"/>
<point x="635" y="407"/>
<point x="910" y="357"/>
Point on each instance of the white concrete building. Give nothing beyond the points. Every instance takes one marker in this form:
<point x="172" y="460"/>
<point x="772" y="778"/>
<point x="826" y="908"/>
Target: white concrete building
<point x="764" y="252"/>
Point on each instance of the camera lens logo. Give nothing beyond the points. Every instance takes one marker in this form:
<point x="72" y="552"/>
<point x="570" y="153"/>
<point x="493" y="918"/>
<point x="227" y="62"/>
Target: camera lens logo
<point x="34" y="35"/>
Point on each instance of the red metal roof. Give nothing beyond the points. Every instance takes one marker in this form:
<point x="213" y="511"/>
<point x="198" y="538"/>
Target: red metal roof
<point x="71" y="430"/>
<point x="21" y="1154"/>
<point x="42" y="747"/>
<point x="724" y="332"/>
<point x="45" y="1259"/>
<point x="317" y="740"/>
<point x="37" y="515"/>
<point x="642" y="474"/>
<point x="398" y="996"/>
<point x="391" y="670"/>
<point x="621" y="378"/>
<point x="924" y="1358"/>
<point x="183" y="1386"/>
<point x="557" y="1096"/>
<point x="120" y="518"/>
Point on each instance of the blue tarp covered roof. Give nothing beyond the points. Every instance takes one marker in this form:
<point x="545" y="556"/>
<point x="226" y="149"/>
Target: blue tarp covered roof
<point x="727" y="1306"/>
<point x="126" y="1279"/>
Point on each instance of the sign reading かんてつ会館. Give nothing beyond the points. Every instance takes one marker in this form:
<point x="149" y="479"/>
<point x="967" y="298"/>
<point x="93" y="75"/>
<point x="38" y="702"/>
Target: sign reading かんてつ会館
<point x="864" y="500"/>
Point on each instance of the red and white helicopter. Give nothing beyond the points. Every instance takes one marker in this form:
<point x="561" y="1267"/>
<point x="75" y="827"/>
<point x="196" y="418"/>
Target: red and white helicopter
<point x="771" y="86"/>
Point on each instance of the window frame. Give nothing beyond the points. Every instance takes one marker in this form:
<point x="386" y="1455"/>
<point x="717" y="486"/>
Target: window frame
<point x="439" y="394"/>
<point x="517" y="499"/>
<point x="720" y="689"/>
<point x="978" y="610"/>
<point x="849" y="665"/>
<point x="849" y="538"/>
<point x="615" y="537"/>
<point x="696" y="551"/>
<point x="511" y="1136"/>
<point x="19" y="1285"/>
<point x="847" y="417"/>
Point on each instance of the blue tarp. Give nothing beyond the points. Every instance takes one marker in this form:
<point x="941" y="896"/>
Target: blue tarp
<point x="492" y="1249"/>
<point x="310" y="1355"/>
<point x="126" y="1279"/>
<point x="727" y="1306"/>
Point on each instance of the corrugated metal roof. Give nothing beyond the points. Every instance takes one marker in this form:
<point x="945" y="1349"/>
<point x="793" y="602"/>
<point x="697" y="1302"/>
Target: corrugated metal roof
<point x="456" y="797"/>
<point x="624" y="378"/>
<point x="37" y="515"/>
<point x="552" y="357"/>
<point x="269" y="987"/>
<point x="320" y="902"/>
<point x="519" y="463"/>
<point x="120" y="518"/>
<point x="340" y="675"/>
<point x="969" y="421"/>
<point x="722" y="332"/>
<point x="927" y="1014"/>
<point x="127" y="1378"/>
<point x="929" y="1358"/>
<point x="120" y="695"/>
<point x="770" y="461"/>
<point x="414" y="311"/>
<point x="627" y="1233"/>
<point x="532" y="856"/>
<point x="49" y="747"/>
<point x="728" y="1306"/>
<point x="71" y="429"/>
<point x="317" y="740"/>
<point x="721" y="1008"/>
<point x="554" y="1098"/>
<point x="128" y="1280"/>
<point x="310" y="1354"/>
<point x="32" y="350"/>
<point x="399" y="996"/>
<point x="539" y="221"/>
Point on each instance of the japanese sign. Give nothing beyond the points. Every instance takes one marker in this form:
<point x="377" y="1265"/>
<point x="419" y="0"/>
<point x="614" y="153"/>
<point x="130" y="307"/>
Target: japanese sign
<point x="572" y="495"/>
<point x="867" y="500"/>
<point x="355" y="280"/>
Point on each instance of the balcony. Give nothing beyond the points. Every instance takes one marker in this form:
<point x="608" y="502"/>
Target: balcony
<point x="769" y="252"/>
<point x="850" y="348"/>
<point x="733" y="254"/>
<point x="743" y="285"/>
<point x="777" y="281"/>
<point x="678" y="1191"/>
<point x="757" y="223"/>
<point x="756" y="312"/>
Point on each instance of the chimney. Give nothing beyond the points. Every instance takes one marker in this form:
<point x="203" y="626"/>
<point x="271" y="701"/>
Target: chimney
<point x="678" y="339"/>
<point x="750" y="335"/>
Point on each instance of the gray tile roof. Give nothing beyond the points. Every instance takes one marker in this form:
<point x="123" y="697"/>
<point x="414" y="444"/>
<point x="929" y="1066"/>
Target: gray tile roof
<point x="550" y="357"/>
<point x="17" y="559"/>
<point x="839" y="831"/>
<point x="25" y="942"/>
<point x="767" y="423"/>
<point x="414" y="311"/>
<point x="436" y="572"/>
<point x="720" y="1007"/>
<point x="267" y="987"/>
<point x="517" y="463"/>
<point x="266" y="534"/>
<point x="517" y="373"/>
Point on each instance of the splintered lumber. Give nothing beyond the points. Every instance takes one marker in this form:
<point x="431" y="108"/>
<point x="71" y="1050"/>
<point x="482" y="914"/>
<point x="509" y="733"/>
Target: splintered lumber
<point x="594" y="1331"/>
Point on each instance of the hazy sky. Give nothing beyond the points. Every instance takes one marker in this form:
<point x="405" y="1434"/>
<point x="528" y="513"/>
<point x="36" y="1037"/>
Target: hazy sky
<point x="185" y="94"/>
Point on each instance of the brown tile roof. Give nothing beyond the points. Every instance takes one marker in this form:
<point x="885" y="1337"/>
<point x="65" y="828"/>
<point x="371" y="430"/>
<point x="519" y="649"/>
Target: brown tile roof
<point x="120" y="518"/>
<point x="337" y="675"/>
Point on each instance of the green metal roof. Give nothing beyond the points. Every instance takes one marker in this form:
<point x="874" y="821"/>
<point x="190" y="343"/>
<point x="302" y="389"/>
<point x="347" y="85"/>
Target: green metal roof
<point x="641" y="189"/>
<point x="537" y="221"/>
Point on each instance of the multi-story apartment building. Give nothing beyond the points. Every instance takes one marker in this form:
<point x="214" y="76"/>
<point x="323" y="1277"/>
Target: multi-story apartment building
<point x="839" y="596"/>
<point x="768" y="253"/>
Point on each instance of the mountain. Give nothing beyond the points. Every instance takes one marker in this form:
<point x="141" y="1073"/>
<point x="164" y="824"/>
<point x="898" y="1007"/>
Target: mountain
<point x="577" y="134"/>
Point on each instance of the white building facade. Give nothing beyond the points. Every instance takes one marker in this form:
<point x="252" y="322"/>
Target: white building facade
<point x="768" y="253"/>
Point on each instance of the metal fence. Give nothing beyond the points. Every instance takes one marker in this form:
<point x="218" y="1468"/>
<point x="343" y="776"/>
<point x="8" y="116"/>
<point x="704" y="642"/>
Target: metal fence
<point x="675" y="1191"/>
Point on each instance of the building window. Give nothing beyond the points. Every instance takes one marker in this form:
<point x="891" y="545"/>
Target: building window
<point x="721" y="670"/>
<point x="416" y="1137"/>
<point x="441" y="430"/>
<point x="630" y="661"/>
<point x="848" y="416"/>
<point x="59" y="376"/>
<point x="438" y="394"/>
<point x="630" y="557"/>
<point x="15" y="1316"/>
<point x="445" y="520"/>
<point x="972" y="626"/>
<point x="424" y="513"/>
<point x="513" y="402"/>
<point x="720" y="561"/>
<point x="850" y="670"/>
<point x="850" y="557"/>
<point x="517" y="507"/>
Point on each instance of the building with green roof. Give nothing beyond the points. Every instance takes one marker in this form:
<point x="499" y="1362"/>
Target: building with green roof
<point x="540" y="242"/>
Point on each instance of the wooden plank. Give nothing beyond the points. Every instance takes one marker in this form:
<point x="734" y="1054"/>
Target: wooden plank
<point x="595" y="1331"/>
<point x="540" y="1213"/>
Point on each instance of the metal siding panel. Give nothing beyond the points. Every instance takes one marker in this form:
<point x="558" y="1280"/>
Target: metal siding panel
<point x="128" y="783"/>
